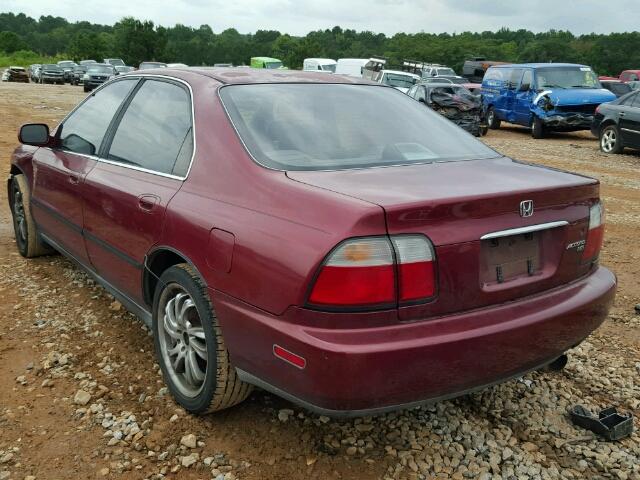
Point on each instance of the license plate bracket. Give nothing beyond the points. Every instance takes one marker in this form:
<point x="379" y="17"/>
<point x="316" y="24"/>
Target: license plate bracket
<point x="511" y="257"/>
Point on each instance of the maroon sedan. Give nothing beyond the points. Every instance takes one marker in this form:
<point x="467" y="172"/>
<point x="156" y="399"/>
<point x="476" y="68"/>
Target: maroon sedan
<point x="324" y="238"/>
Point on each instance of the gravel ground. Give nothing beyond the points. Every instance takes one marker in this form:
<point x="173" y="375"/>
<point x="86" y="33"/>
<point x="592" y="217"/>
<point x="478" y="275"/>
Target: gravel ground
<point x="83" y="397"/>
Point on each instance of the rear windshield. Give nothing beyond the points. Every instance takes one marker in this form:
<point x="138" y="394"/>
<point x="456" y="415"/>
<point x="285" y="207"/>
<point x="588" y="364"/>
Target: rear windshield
<point x="329" y="127"/>
<point x="329" y="68"/>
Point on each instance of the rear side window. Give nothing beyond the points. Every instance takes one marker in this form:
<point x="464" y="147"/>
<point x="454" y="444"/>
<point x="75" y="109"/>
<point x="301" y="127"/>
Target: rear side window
<point x="83" y="131"/>
<point x="156" y="132"/>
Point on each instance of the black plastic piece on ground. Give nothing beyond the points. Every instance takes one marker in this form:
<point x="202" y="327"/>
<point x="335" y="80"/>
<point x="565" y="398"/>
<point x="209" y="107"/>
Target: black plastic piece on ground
<point x="609" y="423"/>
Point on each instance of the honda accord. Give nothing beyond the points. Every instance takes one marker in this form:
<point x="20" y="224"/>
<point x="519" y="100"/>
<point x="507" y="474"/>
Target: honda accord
<point x="323" y="237"/>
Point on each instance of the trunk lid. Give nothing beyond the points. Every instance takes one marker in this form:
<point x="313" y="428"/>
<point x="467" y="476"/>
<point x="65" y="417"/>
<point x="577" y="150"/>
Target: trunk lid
<point x="456" y="204"/>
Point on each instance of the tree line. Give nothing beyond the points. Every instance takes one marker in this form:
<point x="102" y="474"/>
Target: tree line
<point x="137" y="40"/>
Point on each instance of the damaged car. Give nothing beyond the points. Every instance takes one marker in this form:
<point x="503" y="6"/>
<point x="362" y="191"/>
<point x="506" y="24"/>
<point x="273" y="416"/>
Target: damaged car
<point x="15" y="74"/>
<point x="543" y="96"/>
<point x="453" y="102"/>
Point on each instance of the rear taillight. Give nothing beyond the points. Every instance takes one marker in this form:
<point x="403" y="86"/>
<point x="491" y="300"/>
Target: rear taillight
<point x="376" y="272"/>
<point x="595" y="236"/>
<point x="416" y="273"/>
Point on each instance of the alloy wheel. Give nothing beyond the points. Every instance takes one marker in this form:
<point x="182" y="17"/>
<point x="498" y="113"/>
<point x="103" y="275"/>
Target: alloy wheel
<point x="609" y="140"/>
<point x="182" y="340"/>
<point x="19" y="216"/>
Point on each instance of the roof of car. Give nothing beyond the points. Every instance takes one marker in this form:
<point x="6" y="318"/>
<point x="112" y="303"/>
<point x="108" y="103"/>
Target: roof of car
<point x="538" y="65"/>
<point x="239" y="75"/>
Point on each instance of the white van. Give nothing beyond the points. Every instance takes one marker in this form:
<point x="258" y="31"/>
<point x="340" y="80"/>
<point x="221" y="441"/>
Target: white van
<point x="351" y="66"/>
<point x="319" y="65"/>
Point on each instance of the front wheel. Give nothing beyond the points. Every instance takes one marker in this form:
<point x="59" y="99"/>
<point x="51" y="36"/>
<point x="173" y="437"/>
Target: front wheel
<point x="493" y="122"/>
<point x="610" y="141"/>
<point x="537" y="129"/>
<point x="190" y="347"/>
<point x="27" y="238"/>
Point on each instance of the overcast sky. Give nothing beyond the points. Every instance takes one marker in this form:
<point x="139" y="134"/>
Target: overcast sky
<point x="298" y="17"/>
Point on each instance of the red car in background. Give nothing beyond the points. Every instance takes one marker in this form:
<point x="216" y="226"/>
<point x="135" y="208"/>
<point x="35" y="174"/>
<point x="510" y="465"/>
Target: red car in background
<point x="273" y="233"/>
<point x="629" y="76"/>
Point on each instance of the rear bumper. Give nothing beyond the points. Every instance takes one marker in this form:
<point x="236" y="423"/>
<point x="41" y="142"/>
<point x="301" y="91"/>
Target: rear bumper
<point x="371" y="370"/>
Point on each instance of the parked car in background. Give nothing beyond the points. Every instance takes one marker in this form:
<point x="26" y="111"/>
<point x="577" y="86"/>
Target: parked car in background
<point x="475" y="68"/>
<point x="114" y="61"/>
<point x="629" y="76"/>
<point x="77" y="76"/>
<point x="51" y="73"/>
<point x="458" y="80"/>
<point x="403" y="81"/>
<point x="86" y="62"/>
<point x="97" y="74"/>
<point x="32" y="71"/>
<point x="148" y="65"/>
<point x="277" y="253"/>
<point x="474" y="88"/>
<point x="543" y="96"/>
<point x="454" y="102"/>
<point x="123" y="69"/>
<point x="177" y="65"/>
<point x="67" y="69"/>
<point x="617" y="124"/>
<point x="15" y="74"/>
<point x="372" y="70"/>
<point x="266" y="62"/>
<point x="617" y="87"/>
<point x="319" y="65"/>
<point x="351" y="66"/>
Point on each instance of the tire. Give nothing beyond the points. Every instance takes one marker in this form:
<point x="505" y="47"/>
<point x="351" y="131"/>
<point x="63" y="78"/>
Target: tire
<point x="537" y="128"/>
<point x="85" y="89"/>
<point x="493" y="122"/>
<point x="27" y="239"/>
<point x="182" y="304"/>
<point x="610" y="140"/>
<point x="484" y="130"/>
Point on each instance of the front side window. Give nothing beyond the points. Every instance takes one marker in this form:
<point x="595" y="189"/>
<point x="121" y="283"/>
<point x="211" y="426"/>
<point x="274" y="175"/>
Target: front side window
<point x="320" y="127"/>
<point x="84" y="129"/>
<point x="155" y="132"/>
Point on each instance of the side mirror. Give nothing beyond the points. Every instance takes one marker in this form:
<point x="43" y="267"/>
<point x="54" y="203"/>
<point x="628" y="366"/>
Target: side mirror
<point x="36" y="134"/>
<point x="525" y="87"/>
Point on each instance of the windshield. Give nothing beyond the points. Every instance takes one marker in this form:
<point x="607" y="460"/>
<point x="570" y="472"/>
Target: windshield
<point x="456" y="91"/>
<point x="51" y="67"/>
<point x="272" y="65"/>
<point x="103" y="69"/>
<point x="115" y="61"/>
<point x="66" y="64"/>
<point x="445" y="71"/>
<point x="566" y="77"/>
<point x="321" y="127"/>
<point x="398" y="80"/>
<point x="329" y="68"/>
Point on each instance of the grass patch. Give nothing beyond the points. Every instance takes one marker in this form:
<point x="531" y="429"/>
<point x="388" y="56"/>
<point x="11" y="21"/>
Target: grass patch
<point x="24" y="58"/>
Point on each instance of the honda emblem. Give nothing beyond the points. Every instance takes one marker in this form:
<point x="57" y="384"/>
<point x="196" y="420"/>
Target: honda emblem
<point x="526" y="208"/>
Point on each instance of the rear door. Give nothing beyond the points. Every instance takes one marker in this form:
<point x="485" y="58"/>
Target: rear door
<point x="630" y="121"/>
<point x="59" y="172"/>
<point x="146" y="157"/>
<point x="510" y="95"/>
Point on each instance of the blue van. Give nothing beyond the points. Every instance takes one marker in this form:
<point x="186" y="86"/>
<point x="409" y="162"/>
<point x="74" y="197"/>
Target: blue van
<point x="542" y="96"/>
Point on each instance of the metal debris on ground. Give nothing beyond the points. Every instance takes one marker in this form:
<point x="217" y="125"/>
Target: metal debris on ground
<point x="609" y="423"/>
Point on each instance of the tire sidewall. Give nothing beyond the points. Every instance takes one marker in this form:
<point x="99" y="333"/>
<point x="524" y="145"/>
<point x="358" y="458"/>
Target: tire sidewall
<point x="537" y="129"/>
<point x="175" y="274"/>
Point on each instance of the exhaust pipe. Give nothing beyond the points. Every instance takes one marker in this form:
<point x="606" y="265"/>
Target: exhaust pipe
<point x="558" y="364"/>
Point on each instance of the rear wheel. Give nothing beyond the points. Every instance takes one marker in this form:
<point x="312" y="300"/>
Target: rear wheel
<point x="537" y="129"/>
<point x="27" y="238"/>
<point x="190" y="347"/>
<point x="493" y="122"/>
<point x="610" y="140"/>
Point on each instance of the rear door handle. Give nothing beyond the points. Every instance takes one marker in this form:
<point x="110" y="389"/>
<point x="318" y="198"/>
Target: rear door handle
<point x="147" y="202"/>
<point x="74" y="179"/>
<point x="621" y="114"/>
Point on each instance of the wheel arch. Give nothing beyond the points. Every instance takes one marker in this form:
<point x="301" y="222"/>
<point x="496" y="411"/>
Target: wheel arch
<point x="156" y="262"/>
<point x="605" y="123"/>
